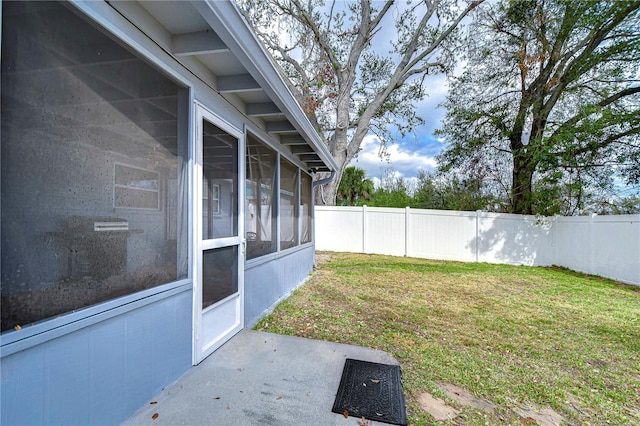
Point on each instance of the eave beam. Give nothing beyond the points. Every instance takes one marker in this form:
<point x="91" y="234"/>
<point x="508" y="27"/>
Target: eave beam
<point x="198" y="43"/>
<point x="263" y="109"/>
<point x="280" y="127"/>
<point x="293" y="140"/>
<point x="301" y="149"/>
<point x="237" y="83"/>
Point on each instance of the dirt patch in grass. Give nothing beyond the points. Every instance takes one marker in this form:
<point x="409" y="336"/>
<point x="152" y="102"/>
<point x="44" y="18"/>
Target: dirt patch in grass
<point x="322" y="258"/>
<point x="513" y="336"/>
<point x="436" y="407"/>
<point x="465" y="398"/>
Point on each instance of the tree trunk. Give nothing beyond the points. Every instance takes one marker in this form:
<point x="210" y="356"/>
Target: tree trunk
<point x="338" y="147"/>
<point x="521" y="197"/>
<point x="325" y="195"/>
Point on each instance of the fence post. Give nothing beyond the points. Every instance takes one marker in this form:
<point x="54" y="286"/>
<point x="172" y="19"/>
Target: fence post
<point x="478" y="234"/>
<point x="591" y="248"/>
<point x="364" y="228"/>
<point x="407" y="230"/>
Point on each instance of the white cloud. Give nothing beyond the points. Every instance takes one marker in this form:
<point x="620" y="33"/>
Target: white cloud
<point x="403" y="161"/>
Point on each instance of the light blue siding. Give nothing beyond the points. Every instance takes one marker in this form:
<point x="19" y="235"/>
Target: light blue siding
<point x="102" y="373"/>
<point x="267" y="282"/>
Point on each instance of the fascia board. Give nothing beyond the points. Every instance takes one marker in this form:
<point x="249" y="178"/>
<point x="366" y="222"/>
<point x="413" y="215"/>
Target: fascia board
<point x="227" y="21"/>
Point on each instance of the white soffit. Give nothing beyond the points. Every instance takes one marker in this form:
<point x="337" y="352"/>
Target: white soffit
<point x="216" y="35"/>
<point x="178" y="17"/>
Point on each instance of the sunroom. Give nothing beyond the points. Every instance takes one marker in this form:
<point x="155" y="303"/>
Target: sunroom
<point x="157" y="181"/>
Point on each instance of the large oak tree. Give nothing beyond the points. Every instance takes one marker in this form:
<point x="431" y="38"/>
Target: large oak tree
<point x="358" y="67"/>
<point x="551" y="95"/>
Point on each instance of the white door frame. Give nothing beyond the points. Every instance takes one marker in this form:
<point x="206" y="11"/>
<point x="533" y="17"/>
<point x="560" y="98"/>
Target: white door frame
<point x="217" y="323"/>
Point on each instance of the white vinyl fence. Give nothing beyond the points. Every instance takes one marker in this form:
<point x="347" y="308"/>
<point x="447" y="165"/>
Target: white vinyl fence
<point x="608" y="246"/>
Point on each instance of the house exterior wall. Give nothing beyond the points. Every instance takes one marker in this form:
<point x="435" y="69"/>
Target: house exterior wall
<point x="270" y="279"/>
<point x="99" y="371"/>
<point x="98" y="364"/>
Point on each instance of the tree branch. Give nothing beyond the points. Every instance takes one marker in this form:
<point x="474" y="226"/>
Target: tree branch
<point x="565" y="75"/>
<point x="404" y="67"/>
<point x="301" y="15"/>
<point x="594" y="147"/>
<point x="603" y="103"/>
<point x="436" y="43"/>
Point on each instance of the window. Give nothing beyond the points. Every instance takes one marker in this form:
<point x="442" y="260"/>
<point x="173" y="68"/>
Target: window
<point x="288" y="204"/>
<point x="93" y="172"/>
<point x="210" y="198"/>
<point x="260" y="217"/>
<point x="305" y="208"/>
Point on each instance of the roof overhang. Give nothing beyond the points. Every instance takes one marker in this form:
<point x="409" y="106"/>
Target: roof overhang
<point x="214" y="41"/>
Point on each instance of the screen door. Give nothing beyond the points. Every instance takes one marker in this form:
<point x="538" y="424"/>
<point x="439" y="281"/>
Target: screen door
<point x="218" y="269"/>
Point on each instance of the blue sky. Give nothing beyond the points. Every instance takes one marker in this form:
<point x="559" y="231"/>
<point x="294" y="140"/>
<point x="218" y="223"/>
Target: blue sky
<point x="406" y="156"/>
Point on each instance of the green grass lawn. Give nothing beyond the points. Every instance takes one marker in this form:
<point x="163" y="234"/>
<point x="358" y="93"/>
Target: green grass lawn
<point x="513" y="335"/>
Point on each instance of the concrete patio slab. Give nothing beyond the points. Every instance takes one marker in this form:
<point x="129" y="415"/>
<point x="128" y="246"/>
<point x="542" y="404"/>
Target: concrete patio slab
<point x="259" y="378"/>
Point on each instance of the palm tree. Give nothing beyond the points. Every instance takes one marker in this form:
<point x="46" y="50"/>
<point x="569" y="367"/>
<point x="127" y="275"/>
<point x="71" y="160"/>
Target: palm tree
<point x="354" y="187"/>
